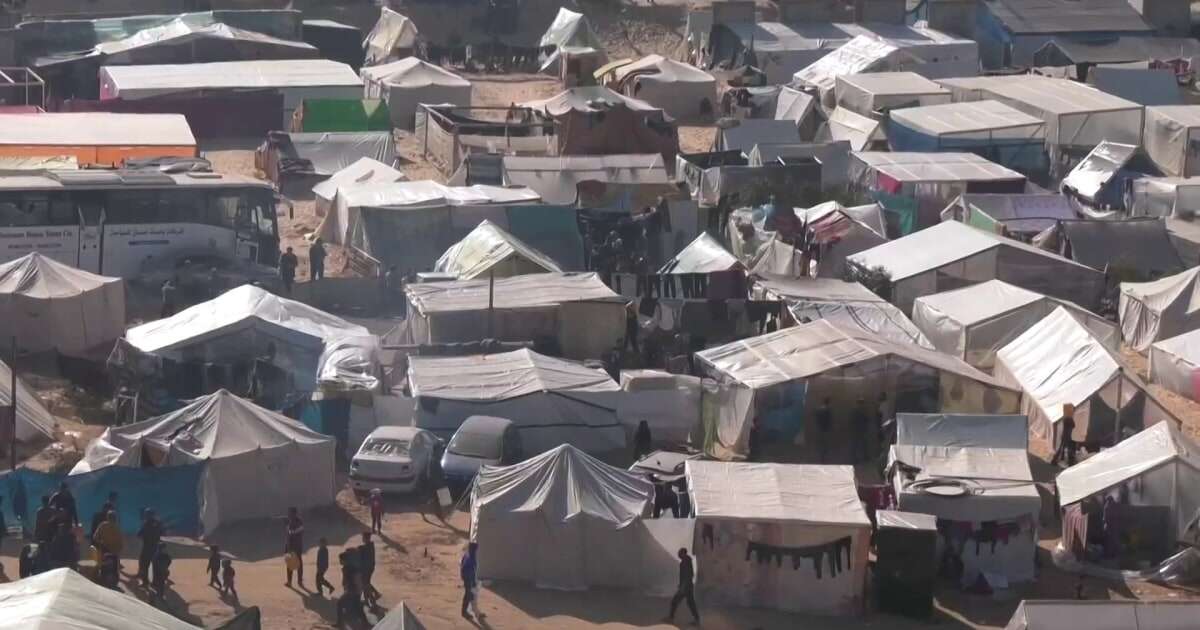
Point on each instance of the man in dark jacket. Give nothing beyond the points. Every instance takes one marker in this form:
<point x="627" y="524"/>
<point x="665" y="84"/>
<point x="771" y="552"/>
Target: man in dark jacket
<point x="151" y="535"/>
<point x="43" y="522"/>
<point x="287" y="270"/>
<point x="294" y="543"/>
<point x="366" y="567"/>
<point x="316" y="260"/>
<point x="64" y="501"/>
<point x="686" y="590"/>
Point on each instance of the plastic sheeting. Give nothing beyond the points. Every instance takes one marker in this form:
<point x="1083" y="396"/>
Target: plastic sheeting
<point x="846" y="303"/>
<point x="557" y="179"/>
<point x="328" y="152"/>
<point x="134" y="82"/>
<point x="1026" y="214"/>
<point x="895" y="519"/>
<point x="34" y="421"/>
<point x="350" y="363"/>
<point x="1171" y="197"/>
<point x="401" y="617"/>
<point x="861" y="54"/>
<point x="592" y="99"/>
<point x="1170" y="134"/>
<point x="1174" y="363"/>
<point x="676" y="87"/>
<point x="495" y="377"/>
<point x="1159" y="309"/>
<point x="1005" y="431"/>
<point x="1104" y="615"/>
<point x="569" y="31"/>
<point x="391" y="34"/>
<point x="1134" y="248"/>
<point x="668" y="403"/>
<point x="782" y="493"/>
<point x="1154" y="447"/>
<point x="490" y="250"/>
<point x="751" y="132"/>
<point x="845" y="125"/>
<point x="968" y="124"/>
<point x="868" y="92"/>
<point x="794" y="105"/>
<point x="527" y="291"/>
<point x="703" y="255"/>
<point x="50" y="306"/>
<point x="362" y="172"/>
<point x="916" y="168"/>
<point x="1095" y="171"/>
<point x="407" y="83"/>
<point x="63" y="598"/>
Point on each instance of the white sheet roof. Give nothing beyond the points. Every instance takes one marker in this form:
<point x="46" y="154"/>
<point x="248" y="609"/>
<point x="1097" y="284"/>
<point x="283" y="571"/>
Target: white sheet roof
<point x="244" y="307"/>
<point x="412" y="72"/>
<point x="968" y="117"/>
<point x="570" y="29"/>
<point x="1056" y="96"/>
<point x="390" y="32"/>
<point x="703" y="255"/>
<point x="139" y="81"/>
<point x="502" y="376"/>
<point x="1105" y="615"/>
<point x="1098" y="167"/>
<point x="528" y="291"/>
<point x="486" y="246"/>
<point x="860" y="131"/>
<point x="556" y="178"/>
<point x="33" y="419"/>
<point x="1149" y="449"/>
<point x="1157" y="295"/>
<point x="810" y="349"/>
<point x="96" y="129"/>
<point x="431" y="193"/>
<point x="63" y="599"/>
<point x="935" y="167"/>
<point x="562" y="484"/>
<point x="667" y="70"/>
<point x="783" y="493"/>
<point x="365" y="171"/>
<point x="983" y="301"/>
<point x="861" y="53"/>
<point x="1005" y="431"/>
<point x="588" y="99"/>
<point x="893" y="83"/>
<point x="36" y="276"/>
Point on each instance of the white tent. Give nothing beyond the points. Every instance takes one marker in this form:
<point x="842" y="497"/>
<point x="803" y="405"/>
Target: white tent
<point x="677" y="88"/>
<point x="1093" y="173"/>
<point x="987" y="455"/>
<point x="849" y="304"/>
<point x="1164" y="461"/>
<point x="401" y="617"/>
<point x="779" y="536"/>
<point x="34" y="421"/>
<point x="1007" y="135"/>
<point x="860" y="131"/>
<point x="703" y="255"/>
<point x="1172" y="197"/>
<point x="552" y="401"/>
<point x="794" y="105"/>
<point x="951" y="255"/>
<point x="258" y="462"/>
<point x="47" y="305"/>
<point x="63" y="598"/>
<point x="973" y="322"/>
<point x="1104" y="615"/>
<point x="392" y="34"/>
<point x="1171" y="132"/>
<point x="668" y="403"/>
<point x="564" y="520"/>
<point x="570" y="32"/>
<point x="869" y="92"/>
<point x="365" y="171"/>
<point x="1159" y="309"/>
<point x="557" y="178"/>
<point x="491" y="250"/>
<point x="406" y="83"/>
<point x="1059" y="361"/>
<point x="1174" y="363"/>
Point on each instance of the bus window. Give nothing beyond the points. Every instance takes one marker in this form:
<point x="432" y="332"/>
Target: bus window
<point x="186" y="206"/>
<point x="225" y="204"/>
<point x="62" y="210"/>
<point x="133" y="206"/>
<point x="17" y="210"/>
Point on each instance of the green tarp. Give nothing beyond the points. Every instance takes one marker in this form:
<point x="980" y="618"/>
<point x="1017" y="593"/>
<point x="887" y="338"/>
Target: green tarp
<point x="320" y="115"/>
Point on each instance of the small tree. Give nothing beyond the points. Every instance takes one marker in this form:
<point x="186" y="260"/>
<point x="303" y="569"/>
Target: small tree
<point x="876" y="279"/>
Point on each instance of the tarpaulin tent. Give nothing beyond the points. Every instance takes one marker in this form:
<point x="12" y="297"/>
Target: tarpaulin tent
<point x="584" y="316"/>
<point x="336" y="114"/>
<point x="47" y="305"/>
<point x="1171" y="132"/>
<point x="1172" y="197"/>
<point x="951" y="255"/>
<point x="846" y="303"/>
<point x="401" y="617"/>
<point x="973" y="322"/>
<point x="490" y="250"/>
<point x="408" y="82"/>
<point x="1094" y="178"/>
<point x="335" y="40"/>
<point x="1058" y="361"/>
<point x="551" y="401"/>
<point x="1020" y="215"/>
<point x="1164" y="462"/>
<point x="1134" y="249"/>
<point x="743" y="135"/>
<point x="96" y="139"/>
<point x="557" y="179"/>
<point x="870" y="92"/>
<point x="351" y="364"/>
<point x="1160" y="309"/>
<point x="1144" y="86"/>
<point x="564" y="520"/>
<point x="63" y="598"/>
<point x="1174" y="363"/>
<point x="668" y="403"/>
<point x="861" y="54"/>
<point x="34" y="421"/>
<point x="794" y="105"/>
<point x="569" y="34"/>
<point x="594" y="120"/>
<point x="862" y="132"/>
<point x="703" y="255"/>
<point x="258" y="463"/>
<point x="992" y="129"/>
<point x="796" y="368"/>
<point x="779" y="536"/>
<point x="993" y="527"/>
<point x="303" y="159"/>
<point x="1104" y="615"/>
<point x="365" y="171"/>
<point x="1116" y="50"/>
<point x="394" y="36"/>
<point x="681" y="90"/>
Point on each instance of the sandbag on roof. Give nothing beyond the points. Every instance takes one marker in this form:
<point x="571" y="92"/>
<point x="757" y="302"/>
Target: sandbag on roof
<point x="489" y="249"/>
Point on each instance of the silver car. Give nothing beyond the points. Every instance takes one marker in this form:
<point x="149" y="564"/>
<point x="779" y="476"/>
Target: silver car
<point x="394" y="459"/>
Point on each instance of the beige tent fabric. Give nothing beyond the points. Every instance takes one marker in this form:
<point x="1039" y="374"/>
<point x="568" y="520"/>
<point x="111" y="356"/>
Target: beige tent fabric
<point x="51" y="306"/>
<point x="1159" y="309"/>
<point x="489" y="250"/>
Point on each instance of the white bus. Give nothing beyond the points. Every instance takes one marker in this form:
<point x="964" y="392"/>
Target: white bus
<point x="120" y="223"/>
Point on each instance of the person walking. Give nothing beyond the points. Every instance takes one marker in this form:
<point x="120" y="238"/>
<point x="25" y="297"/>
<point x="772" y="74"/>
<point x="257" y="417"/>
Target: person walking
<point x="43" y="522"/>
<point x="214" y="567"/>
<point x="64" y="501"/>
<point x="108" y="539"/>
<point x="322" y="567"/>
<point x="366" y="568"/>
<point x="151" y="533"/>
<point x="287" y="270"/>
<point x="227" y="576"/>
<point x="466" y="570"/>
<point x="294" y="544"/>
<point x="642" y="440"/>
<point x="686" y="590"/>
<point x="376" y="503"/>
<point x="1066" y="446"/>
<point x="316" y="260"/>
<point x="161" y="571"/>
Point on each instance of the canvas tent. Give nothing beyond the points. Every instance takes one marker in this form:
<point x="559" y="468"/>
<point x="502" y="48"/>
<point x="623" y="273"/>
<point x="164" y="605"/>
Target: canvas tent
<point x="668" y="403"/>
<point x="1001" y="133"/>
<point x="744" y="135"/>
<point x="1171" y="197"/>
<point x="401" y="617"/>
<point x="843" y="124"/>
<point x="1134" y="249"/>
<point x="988" y="455"/>
<point x="96" y="138"/>
<point x="594" y="120"/>
<point x="557" y="179"/>
<point x="1022" y="216"/>
<point x="302" y="159"/>
<point x="1059" y="361"/>
<point x="408" y="82"/>
<point x="837" y="233"/>
<point x="952" y="255"/>
<point x="34" y="421"/>
<point x="974" y="322"/>
<point x="570" y="34"/>
<point x="1174" y="363"/>
<point x="364" y="171"/>
<point x="1158" y="467"/>
<point x="703" y="255"/>
<point x="1170" y="134"/>
<point x="490" y="250"/>
<point x="867" y="93"/>
<point x="1104" y="615"/>
<point x="393" y="37"/>
<point x="847" y="303"/>
<point x="47" y="305"/>
<point x="552" y="401"/>
<point x="257" y="462"/>
<point x="1093" y="177"/>
<point x="781" y="377"/>
<point x="681" y="90"/>
<point x="63" y="598"/>
<point x="779" y="536"/>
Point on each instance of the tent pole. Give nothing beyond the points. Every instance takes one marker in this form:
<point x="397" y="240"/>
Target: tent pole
<point x="12" y="381"/>
<point x="1120" y="382"/>
<point x="491" y="299"/>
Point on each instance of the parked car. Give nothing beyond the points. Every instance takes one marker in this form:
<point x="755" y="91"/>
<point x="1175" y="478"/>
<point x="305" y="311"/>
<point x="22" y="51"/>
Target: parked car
<point x="395" y="460"/>
<point x="480" y="441"/>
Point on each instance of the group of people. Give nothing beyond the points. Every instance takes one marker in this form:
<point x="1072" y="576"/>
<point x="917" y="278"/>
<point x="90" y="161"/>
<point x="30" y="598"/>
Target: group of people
<point x="289" y="262"/>
<point x="357" y="564"/>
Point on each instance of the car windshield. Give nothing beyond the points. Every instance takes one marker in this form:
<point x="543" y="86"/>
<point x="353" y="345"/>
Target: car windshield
<point x="378" y="446"/>
<point x="471" y="444"/>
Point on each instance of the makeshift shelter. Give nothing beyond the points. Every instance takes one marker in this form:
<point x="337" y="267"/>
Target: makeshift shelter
<point x="843" y="125"/>
<point x="794" y="105"/>
<point x="869" y="93"/>
<point x="335" y="40"/>
<point x="779" y="536"/>
<point x="1135" y="249"/>
<point x="300" y="160"/>
<point x="1169" y="135"/>
<point x="326" y="114"/>
<point x="679" y="89"/>
<point x="848" y="304"/>
<point x="1096" y="178"/>
<point x="393" y="37"/>
<point x="574" y="310"/>
<point x="991" y="129"/>
<point x="47" y="305"/>
<point x="1044" y="614"/>
<point x="363" y="172"/>
<point x="451" y="137"/>
<point x="401" y="617"/>
<point x="1112" y="52"/>
<point x="1012" y="31"/>
<point x="584" y="522"/>
<point x="1170" y="197"/>
<point x="1155" y="471"/>
<point x="837" y="234"/>
<point x="557" y="179"/>
<point x="991" y="523"/>
<point x="1144" y="86"/>
<point x="1077" y="116"/>
<point x="668" y="403"/>
<point x="974" y="322"/>
<point x="779" y="380"/>
<point x="258" y="463"/>
<point x="490" y="250"/>
<point x="34" y="421"/>
<point x="552" y="401"/>
<point x="95" y="139"/>
<point x="569" y="38"/>
<point x="703" y="255"/>
<point x="64" y="598"/>
<point x="915" y="187"/>
<point x="1021" y="216"/>
<point x="245" y="324"/>
<point x="1159" y="309"/>
<point x="1173" y="364"/>
<point x="1058" y="361"/>
<point x="595" y="120"/>
<point x="744" y="135"/>
<point x="952" y="255"/>
<point x="406" y="83"/>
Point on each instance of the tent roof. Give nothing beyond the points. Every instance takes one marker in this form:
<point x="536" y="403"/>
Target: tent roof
<point x="1048" y="94"/>
<point x="784" y="493"/>
<point x="1098" y="167"/>
<point x="36" y="276"/>
<point x="570" y="29"/>
<point x="1159" y="294"/>
<point x="1149" y="449"/>
<point x="861" y="53"/>
<point x="896" y="83"/>
<point x="426" y="193"/>
<point x="1127" y="48"/>
<point x="1185" y="115"/>
<point x="817" y="289"/>
<point x="244" y="307"/>
<point x="562" y="484"/>
<point x="135" y="81"/>
<point x="331" y="151"/>
<point x="1022" y="17"/>
<point x="1140" y="244"/>
<point x="401" y="617"/>
<point x="751" y="132"/>
<point x="703" y="255"/>
<point x="1104" y="615"/>
<point x="587" y="99"/>
<point x="962" y="430"/>
<point x="810" y="349"/>
<point x="967" y="117"/>
<point x="860" y="131"/>
<point x="870" y="215"/>
<point x="413" y="73"/>
<point x="769" y="37"/>
<point x="95" y="129"/>
<point x="556" y="178"/>
<point x="666" y="70"/>
<point x="980" y="302"/>
<point x="390" y="32"/>
<point x="364" y="171"/>
<point x="62" y="598"/>
<point x="527" y="291"/>
<point x="485" y="247"/>
<point x="493" y="377"/>
<point x="1021" y="212"/>
<point x="935" y="167"/>
<point x="34" y="420"/>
